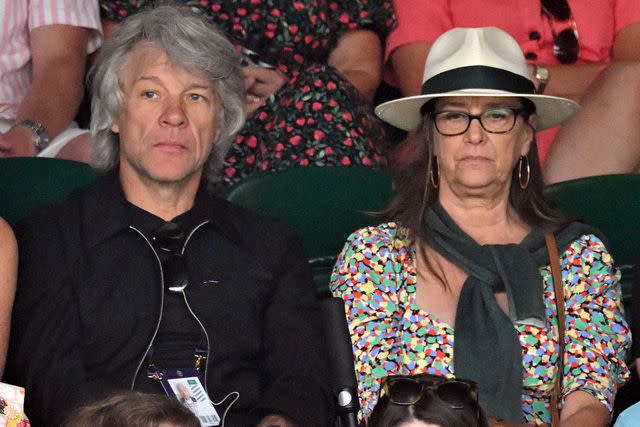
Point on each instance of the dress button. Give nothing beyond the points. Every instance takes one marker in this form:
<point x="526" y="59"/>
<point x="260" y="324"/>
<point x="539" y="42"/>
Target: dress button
<point x="534" y="35"/>
<point x="531" y="55"/>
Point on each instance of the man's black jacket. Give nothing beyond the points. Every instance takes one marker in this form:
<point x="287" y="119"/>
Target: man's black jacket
<point x="89" y="299"/>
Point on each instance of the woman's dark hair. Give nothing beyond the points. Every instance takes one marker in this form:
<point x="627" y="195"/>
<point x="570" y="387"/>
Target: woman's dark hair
<point x="429" y="409"/>
<point x="414" y="193"/>
<point x="133" y="409"/>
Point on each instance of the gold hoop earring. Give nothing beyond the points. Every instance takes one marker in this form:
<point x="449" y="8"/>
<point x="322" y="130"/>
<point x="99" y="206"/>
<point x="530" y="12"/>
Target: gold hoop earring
<point x="524" y="182"/>
<point x="435" y="181"/>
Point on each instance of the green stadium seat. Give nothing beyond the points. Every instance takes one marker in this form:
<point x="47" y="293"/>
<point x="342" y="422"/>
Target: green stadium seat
<point x="324" y="205"/>
<point x="28" y="183"/>
<point x="612" y="204"/>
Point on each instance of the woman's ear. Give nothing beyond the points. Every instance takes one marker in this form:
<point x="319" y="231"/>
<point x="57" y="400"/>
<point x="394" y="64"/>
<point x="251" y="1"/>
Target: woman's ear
<point x="115" y="128"/>
<point x="530" y="134"/>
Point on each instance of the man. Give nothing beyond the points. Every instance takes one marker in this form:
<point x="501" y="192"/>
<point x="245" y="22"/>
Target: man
<point x="43" y="51"/>
<point x="143" y="276"/>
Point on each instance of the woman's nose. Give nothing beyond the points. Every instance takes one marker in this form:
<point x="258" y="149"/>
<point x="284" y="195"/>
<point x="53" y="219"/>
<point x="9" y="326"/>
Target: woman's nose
<point x="475" y="133"/>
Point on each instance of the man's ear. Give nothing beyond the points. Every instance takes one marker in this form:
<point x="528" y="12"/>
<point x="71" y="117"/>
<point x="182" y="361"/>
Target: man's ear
<point x="115" y="128"/>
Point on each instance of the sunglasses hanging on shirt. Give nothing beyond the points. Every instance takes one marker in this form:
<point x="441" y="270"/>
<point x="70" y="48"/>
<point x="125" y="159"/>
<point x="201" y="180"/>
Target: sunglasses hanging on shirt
<point x="565" y="41"/>
<point x="168" y="239"/>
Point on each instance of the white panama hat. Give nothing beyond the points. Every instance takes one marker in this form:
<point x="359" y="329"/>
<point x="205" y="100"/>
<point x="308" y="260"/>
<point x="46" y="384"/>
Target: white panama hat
<point x="475" y="62"/>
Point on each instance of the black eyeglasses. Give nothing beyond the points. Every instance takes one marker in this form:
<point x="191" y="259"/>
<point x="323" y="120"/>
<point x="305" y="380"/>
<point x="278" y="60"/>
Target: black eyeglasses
<point x="565" y="42"/>
<point x="408" y="390"/>
<point x="168" y="239"/>
<point x="495" y="120"/>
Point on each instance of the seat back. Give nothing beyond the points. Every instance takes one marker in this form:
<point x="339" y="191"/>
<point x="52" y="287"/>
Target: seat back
<point x="612" y="204"/>
<point x="28" y="183"/>
<point x="324" y="205"/>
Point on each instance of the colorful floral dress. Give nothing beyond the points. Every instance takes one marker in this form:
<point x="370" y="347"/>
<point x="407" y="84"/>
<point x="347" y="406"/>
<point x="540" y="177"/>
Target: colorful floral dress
<point x="317" y="118"/>
<point x="375" y="276"/>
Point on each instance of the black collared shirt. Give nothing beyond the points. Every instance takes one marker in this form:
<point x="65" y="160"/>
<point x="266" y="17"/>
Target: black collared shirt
<point x="179" y="333"/>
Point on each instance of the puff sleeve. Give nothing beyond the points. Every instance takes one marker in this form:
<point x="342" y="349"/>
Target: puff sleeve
<point x="597" y="336"/>
<point x="366" y="277"/>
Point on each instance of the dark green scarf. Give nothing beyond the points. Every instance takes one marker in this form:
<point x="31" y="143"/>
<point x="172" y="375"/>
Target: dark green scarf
<point x="486" y="346"/>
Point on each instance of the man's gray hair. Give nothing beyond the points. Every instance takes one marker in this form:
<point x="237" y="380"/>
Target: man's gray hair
<point x="190" y="42"/>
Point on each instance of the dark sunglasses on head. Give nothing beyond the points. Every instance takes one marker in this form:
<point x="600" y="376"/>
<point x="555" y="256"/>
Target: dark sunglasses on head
<point x="408" y="390"/>
<point x="168" y="240"/>
<point x="566" y="46"/>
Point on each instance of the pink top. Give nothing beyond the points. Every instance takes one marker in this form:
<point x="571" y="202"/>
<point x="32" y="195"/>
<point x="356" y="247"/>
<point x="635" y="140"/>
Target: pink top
<point x="597" y="22"/>
<point x="18" y="18"/>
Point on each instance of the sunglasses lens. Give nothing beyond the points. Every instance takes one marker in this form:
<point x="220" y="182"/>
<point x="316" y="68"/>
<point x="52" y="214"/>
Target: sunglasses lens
<point x="175" y="273"/>
<point x="566" y="46"/>
<point x="559" y="9"/>
<point x="404" y="391"/>
<point x="457" y="394"/>
<point x="168" y="238"/>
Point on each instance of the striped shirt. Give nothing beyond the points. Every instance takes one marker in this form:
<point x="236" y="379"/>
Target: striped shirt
<point x="18" y="18"/>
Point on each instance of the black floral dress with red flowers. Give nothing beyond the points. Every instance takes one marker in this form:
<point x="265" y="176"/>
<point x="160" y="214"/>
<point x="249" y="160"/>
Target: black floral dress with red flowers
<point x="317" y="118"/>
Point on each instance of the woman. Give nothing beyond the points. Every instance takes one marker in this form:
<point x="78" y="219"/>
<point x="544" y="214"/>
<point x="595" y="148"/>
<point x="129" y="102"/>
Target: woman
<point x="314" y="107"/>
<point x="464" y="269"/>
<point x="8" y="273"/>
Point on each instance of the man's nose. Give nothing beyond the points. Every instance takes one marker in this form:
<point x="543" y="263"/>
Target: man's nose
<point x="173" y="114"/>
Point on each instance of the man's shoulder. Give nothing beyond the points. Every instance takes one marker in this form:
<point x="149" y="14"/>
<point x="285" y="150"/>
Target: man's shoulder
<point x="247" y="221"/>
<point x="82" y="205"/>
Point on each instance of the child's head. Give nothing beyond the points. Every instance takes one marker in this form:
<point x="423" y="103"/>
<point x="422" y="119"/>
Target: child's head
<point x="134" y="409"/>
<point x="427" y="401"/>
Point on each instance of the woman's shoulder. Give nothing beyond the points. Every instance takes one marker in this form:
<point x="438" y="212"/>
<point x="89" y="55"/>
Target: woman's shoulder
<point x="371" y="264"/>
<point x="585" y="247"/>
<point x="388" y="234"/>
<point x="588" y="266"/>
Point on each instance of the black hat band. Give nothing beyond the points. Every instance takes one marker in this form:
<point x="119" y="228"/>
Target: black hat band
<point x="478" y="77"/>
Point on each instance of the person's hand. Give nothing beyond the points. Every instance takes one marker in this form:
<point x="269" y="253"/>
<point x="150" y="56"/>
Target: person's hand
<point x="260" y="84"/>
<point x="275" y="421"/>
<point x="532" y="75"/>
<point x="17" y="142"/>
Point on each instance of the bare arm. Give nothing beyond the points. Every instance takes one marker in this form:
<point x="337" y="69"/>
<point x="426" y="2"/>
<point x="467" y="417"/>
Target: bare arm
<point x="626" y="46"/>
<point x="107" y="27"/>
<point x="58" y="63"/>
<point x="573" y="80"/>
<point x="610" y="112"/>
<point x="59" y="55"/>
<point x="8" y="273"/>
<point x="583" y="410"/>
<point x="358" y="58"/>
<point x="408" y="66"/>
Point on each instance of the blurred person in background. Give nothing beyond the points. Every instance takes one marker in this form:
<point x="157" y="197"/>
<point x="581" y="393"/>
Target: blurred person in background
<point x="311" y="70"/>
<point x="586" y="51"/>
<point x="43" y="52"/>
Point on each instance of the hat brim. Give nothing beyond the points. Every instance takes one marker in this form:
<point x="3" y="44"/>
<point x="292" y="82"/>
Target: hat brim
<point x="404" y="113"/>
